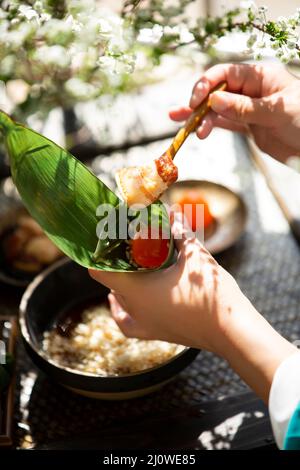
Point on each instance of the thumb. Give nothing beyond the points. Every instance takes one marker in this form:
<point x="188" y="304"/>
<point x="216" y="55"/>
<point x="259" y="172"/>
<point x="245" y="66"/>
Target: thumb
<point x="183" y="234"/>
<point x="241" y="108"/>
<point x="181" y="231"/>
<point x="119" y="282"/>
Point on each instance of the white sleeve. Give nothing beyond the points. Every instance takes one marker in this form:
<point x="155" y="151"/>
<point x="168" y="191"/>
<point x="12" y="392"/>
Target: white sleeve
<point x="284" y="396"/>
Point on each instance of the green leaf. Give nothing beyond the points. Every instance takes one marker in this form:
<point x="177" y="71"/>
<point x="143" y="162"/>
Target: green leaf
<point x="62" y="195"/>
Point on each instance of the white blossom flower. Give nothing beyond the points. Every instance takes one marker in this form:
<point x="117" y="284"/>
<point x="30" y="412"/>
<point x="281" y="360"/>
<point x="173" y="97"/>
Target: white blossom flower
<point x="105" y="27"/>
<point x="275" y="45"/>
<point x="261" y="44"/>
<point x="15" y="21"/>
<point x="17" y="91"/>
<point x="38" y="6"/>
<point x="292" y="55"/>
<point x="285" y="58"/>
<point x="251" y="40"/>
<point x="121" y="67"/>
<point x="56" y="32"/>
<point x="3" y="14"/>
<point x="53" y="55"/>
<point x="279" y="54"/>
<point x="7" y="65"/>
<point x="96" y="48"/>
<point x="28" y="12"/>
<point x="16" y="37"/>
<point x="4" y="26"/>
<point x="257" y="56"/>
<point x="75" y="24"/>
<point x="262" y="9"/>
<point x="84" y="59"/>
<point x="150" y="35"/>
<point x="282" y="21"/>
<point x="107" y="63"/>
<point x="44" y="17"/>
<point x="291" y="43"/>
<point x="80" y="89"/>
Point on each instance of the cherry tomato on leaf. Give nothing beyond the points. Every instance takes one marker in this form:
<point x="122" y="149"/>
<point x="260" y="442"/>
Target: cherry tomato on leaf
<point x="149" y="252"/>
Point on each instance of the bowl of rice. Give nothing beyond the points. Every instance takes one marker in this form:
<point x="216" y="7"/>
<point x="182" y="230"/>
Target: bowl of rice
<point x="69" y="333"/>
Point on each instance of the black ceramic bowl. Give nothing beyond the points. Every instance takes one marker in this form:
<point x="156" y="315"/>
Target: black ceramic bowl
<point x="59" y="289"/>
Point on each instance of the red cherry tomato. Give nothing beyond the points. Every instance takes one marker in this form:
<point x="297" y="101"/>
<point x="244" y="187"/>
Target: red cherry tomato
<point x="149" y="252"/>
<point x="192" y="197"/>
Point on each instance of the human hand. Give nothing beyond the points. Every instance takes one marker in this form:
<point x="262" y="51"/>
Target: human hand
<point x="195" y="302"/>
<point x="191" y="303"/>
<point x="186" y="303"/>
<point x="260" y="99"/>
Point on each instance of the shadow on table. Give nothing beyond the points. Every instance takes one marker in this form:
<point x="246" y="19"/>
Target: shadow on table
<point x="237" y="422"/>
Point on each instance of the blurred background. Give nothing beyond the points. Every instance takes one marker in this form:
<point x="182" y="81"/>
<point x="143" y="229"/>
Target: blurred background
<point x="212" y="7"/>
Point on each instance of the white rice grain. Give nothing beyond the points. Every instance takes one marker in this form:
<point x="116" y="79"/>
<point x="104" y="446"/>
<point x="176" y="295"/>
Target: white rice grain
<point x="96" y="345"/>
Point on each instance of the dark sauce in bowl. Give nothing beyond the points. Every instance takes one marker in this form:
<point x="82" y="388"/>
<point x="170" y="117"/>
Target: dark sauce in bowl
<point x="72" y="315"/>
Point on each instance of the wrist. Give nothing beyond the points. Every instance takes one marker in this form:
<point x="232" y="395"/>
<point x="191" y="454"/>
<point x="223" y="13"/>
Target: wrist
<point x="252" y="347"/>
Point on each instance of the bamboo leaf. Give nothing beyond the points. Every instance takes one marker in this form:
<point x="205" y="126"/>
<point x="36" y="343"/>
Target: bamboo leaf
<point x="62" y="195"/>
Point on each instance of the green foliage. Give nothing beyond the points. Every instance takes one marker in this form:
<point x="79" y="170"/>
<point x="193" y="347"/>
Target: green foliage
<point x="281" y="34"/>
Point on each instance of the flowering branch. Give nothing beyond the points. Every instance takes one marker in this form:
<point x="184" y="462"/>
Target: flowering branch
<point x="65" y="51"/>
<point x="173" y="29"/>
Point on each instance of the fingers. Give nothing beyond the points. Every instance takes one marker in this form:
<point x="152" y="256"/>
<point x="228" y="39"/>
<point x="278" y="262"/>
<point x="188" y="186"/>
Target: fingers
<point x="184" y="237"/>
<point x="180" y="114"/>
<point x="206" y="125"/>
<point x="120" y="282"/>
<point x="120" y="299"/>
<point x="179" y="229"/>
<point x="209" y="122"/>
<point x="242" y="78"/>
<point x="124" y="320"/>
<point x="211" y="78"/>
<point x="187" y="243"/>
<point x="212" y="120"/>
<point x="230" y="125"/>
<point x="242" y="109"/>
<point x="241" y="106"/>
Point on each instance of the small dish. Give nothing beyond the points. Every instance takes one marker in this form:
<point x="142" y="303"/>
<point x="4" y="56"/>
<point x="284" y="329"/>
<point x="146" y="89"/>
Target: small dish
<point x="228" y="209"/>
<point x="60" y="288"/>
<point x="17" y="231"/>
<point x="8" y="220"/>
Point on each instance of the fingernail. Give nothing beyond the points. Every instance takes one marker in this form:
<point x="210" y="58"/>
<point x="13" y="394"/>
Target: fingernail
<point x="203" y="124"/>
<point x="126" y="320"/>
<point x="200" y="130"/>
<point x="122" y="316"/>
<point x="219" y="101"/>
<point x="193" y="100"/>
<point x="200" y="88"/>
<point x="198" y="95"/>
